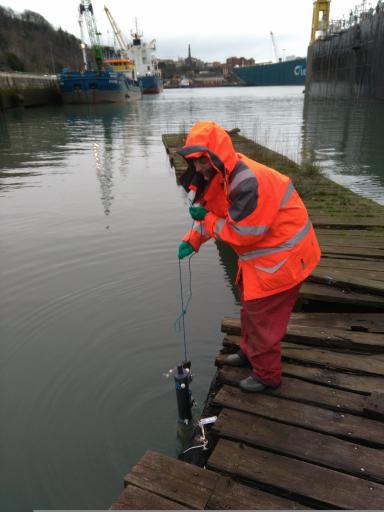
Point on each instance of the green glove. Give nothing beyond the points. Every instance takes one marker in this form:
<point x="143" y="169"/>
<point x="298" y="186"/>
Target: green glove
<point x="185" y="249"/>
<point x="198" y="212"/>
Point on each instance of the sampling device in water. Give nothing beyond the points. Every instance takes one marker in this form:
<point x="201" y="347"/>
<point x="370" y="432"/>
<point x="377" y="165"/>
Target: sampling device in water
<point x="182" y="373"/>
<point x="183" y="377"/>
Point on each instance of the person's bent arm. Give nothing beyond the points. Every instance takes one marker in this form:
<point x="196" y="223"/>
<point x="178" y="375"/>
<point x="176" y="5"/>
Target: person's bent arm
<point x="245" y="223"/>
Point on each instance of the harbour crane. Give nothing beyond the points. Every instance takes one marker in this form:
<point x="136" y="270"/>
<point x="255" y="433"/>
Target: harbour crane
<point x="275" y="50"/>
<point x="86" y="13"/>
<point x="118" y="34"/>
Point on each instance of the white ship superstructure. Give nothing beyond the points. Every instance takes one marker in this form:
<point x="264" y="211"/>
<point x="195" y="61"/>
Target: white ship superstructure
<point x="145" y="62"/>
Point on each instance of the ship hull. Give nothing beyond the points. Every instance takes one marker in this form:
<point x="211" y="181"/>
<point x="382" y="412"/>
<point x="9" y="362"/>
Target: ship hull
<point x="92" y="87"/>
<point x="151" y="84"/>
<point x="349" y="64"/>
<point x="291" y="72"/>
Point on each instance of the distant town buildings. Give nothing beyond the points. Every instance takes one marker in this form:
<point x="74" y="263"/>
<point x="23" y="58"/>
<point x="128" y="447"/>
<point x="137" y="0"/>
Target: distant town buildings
<point x="199" y="73"/>
<point x="232" y="62"/>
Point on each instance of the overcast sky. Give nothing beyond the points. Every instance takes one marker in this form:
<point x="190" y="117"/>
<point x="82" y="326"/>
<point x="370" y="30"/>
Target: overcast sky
<point x="215" y="29"/>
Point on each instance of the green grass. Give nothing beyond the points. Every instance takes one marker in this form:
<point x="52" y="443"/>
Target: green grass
<point x="321" y="195"/>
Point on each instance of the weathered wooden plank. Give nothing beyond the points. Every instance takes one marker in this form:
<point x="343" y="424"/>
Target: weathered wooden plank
<point x="362" y="384"/>
<point x="231" y="341"/>
<point x="358" y="383"/>
<point x="307" y="416"/>
<point x="322" y="330"/>
<point x="337" y="222"/>
<point x="355" y="235"/>
<point x="313" y="482"/>
<point x="325" y="338"/>
<point x="341" y="254"/>
<point x="364" y="322"/>
<point x="161" y="483"/>
<point x="231" y="325"/>
<point x="134" y="498"/>
<point x="304" y="392"/>
<point x="333" y="295"/>
<point x="351" y="254"/>
<point x="362" y="280"/>
<point x="173" y="141"/>
<point x="161" y="463"/>
<point x="364" y="244"/>
<point x="372" y="281"/>
<point x="300" y="353"/>
<point x="328" y="337"/>
<point x="177" y="481"/>
<point x="230" y="495"/>
<point x="354" y="264"/>
<point x="303" y="444"/>
<point x="353" y="238"/>
<point x="173" y="488"/>
<point x="374" y="405"/>
<point x="359" y="363"/>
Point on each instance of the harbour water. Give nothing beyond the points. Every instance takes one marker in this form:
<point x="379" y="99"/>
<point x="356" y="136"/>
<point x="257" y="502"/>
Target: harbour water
<point x="91" y="220"/>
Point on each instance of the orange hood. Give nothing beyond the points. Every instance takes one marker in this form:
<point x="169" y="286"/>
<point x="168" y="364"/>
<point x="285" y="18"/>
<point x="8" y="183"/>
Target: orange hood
<point x="209" y="139"/>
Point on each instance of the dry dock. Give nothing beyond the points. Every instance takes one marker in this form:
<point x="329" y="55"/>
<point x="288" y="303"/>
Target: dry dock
<point x="316" y="442"/>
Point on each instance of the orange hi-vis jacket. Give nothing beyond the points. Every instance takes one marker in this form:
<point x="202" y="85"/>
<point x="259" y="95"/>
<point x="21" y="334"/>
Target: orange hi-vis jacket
<point x="257" y="211"/>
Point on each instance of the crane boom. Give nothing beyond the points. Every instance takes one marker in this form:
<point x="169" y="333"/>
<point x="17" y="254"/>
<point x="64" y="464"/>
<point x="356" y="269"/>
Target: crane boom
<point x="118" y="34"/>
<point x="86" y="13"/>
<point x="275" y="51"/>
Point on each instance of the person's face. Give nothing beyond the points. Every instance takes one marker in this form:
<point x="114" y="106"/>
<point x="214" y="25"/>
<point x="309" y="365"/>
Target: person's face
<point x="203" y="166"/>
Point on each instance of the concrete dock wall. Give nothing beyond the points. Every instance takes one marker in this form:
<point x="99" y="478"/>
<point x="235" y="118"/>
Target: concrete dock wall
<point x="28" y="90"/>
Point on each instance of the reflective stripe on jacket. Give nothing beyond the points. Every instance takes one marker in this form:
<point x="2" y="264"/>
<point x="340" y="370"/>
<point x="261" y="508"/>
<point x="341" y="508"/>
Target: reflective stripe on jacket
<point x="257" y="211"/>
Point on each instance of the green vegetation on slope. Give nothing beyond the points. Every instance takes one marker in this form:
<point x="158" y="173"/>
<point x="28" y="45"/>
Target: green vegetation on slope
<point x="29" y="43"/>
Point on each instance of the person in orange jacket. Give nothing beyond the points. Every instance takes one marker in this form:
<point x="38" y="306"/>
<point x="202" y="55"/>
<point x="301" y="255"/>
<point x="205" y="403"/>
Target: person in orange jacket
<point x="257" y="211"/>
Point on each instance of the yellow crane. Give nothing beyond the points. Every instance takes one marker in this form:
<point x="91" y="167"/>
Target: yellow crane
<point x="320" y="19"/>
<point x="118" y="34"/>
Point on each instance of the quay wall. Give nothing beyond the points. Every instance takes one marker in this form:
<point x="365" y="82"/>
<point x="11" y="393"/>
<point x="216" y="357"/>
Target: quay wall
<point x="350" y="63"/>
<point x="27" y="90"/>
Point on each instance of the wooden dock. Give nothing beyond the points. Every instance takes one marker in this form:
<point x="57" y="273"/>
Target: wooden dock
<point x="317" y="441"/>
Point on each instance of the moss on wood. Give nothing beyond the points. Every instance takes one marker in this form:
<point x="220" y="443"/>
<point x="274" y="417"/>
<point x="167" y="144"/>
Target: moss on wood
<point x="325" y="199"/>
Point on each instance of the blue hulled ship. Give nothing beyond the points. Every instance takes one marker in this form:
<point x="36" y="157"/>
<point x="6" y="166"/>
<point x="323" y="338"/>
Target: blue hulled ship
<point x="101" y="85"/>
<point x="143" y="55"/>
<point x="104" y="86"/>
<point x="151" y="84"/>
<point x="288" y="72"/>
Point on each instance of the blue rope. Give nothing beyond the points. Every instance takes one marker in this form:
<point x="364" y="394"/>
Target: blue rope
<point x="179" y="324"/>
<point x="180" y="320"/>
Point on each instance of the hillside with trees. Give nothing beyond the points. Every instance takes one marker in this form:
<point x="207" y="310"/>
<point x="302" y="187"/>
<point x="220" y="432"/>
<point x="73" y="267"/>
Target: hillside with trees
<point x="29" y="43"/>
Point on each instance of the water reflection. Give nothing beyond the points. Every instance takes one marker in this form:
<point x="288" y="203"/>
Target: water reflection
<point x="87" y="314"/>
<point x="26" y="143"/>
<point x="345" y="139"/>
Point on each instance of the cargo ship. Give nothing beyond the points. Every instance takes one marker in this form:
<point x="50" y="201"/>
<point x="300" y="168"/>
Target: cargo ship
<point x="101" y="86"/>
<point x="346" y="58"/>
<point x="151" y="84"/>
<point x="148" y="84"/>
<point x="287" y="72"/>
<point x="143" y="55"/>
